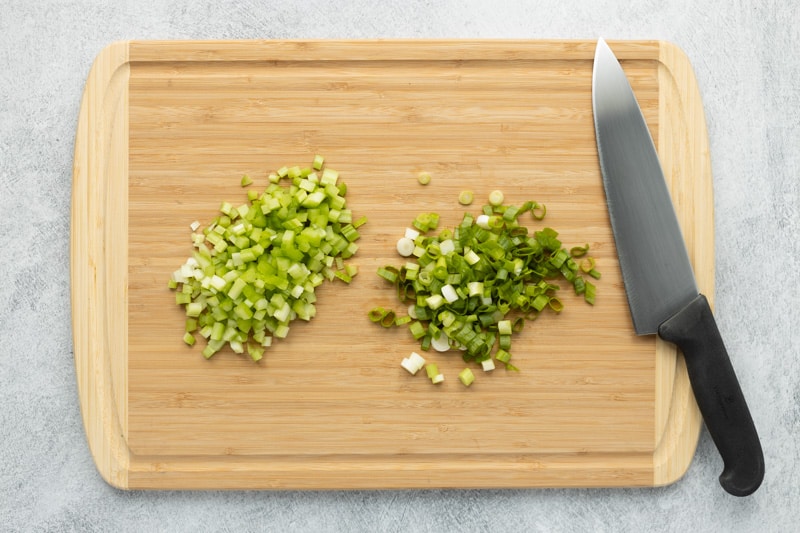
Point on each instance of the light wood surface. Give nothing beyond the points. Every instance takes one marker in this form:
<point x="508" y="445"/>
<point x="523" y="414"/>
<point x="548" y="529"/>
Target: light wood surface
<point x="165" y="132"/>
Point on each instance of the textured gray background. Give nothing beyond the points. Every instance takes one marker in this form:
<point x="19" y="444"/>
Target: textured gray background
<point x="746" y="60"/>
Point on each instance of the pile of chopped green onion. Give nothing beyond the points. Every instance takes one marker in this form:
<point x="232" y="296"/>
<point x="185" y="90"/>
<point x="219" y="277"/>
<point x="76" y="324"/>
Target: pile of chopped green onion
<point x="256" y="266"/>
<point x="473" y="287"/>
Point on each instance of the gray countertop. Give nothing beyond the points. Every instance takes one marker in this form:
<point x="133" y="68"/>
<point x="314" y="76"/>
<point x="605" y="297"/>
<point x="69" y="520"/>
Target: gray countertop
<point x="745" y="57"/>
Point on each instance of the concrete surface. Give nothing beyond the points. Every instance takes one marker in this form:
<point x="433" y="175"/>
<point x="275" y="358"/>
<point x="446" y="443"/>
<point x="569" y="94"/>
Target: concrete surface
<point x="745" y="57"/>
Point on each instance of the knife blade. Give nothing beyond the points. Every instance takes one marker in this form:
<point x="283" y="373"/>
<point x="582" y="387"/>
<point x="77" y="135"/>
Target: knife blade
<point x="659" y="281"/>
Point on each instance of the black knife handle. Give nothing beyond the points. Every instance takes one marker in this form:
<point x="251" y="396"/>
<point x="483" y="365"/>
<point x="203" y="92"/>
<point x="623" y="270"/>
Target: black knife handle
<point x="718" y="395"/>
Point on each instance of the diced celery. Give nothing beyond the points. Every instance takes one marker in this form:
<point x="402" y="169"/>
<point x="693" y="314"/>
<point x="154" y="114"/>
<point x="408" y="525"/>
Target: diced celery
<point x="256" y="266"/>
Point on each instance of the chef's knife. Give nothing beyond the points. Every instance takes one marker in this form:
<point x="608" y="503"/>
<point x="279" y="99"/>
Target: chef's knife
<point x="659" y="281"/>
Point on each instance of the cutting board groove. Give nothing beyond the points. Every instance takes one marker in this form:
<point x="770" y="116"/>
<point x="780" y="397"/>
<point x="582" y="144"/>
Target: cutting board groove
<point x="166" y="130"/>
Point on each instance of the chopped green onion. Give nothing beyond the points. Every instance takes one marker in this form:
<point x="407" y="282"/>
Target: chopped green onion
<point x="413" y="363"/>
<point x="388" y="320"/>
<point x="502" y="356"/>
<point x="377" y="314"/>
<point x="424" y="178"/>
<point x="580" y="285"/>
<point x="440" y="342"/>
<point x="555" y="304"/>
<point x="401" y="320"/>
<point x="426" y="221"/>
<point x="579" y="251"/>
<point x="417" y="329"/>
<point x="538" y="211"/>
<point x="466" y="197"/>
<point x="405" y="246"/>
<point x="432" y="370"/>
<point x="589" y="293"/>
<point x="474" y="286"/>
<point x="389" y="273"/>
<point x="496" y="198"/>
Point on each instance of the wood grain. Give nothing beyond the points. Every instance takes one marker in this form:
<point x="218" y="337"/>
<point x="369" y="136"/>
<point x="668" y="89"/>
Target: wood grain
<point x="167" y="129"/>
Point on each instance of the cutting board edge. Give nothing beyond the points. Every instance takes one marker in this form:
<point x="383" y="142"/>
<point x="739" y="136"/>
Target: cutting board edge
<point x="354" y="472"/>
<point x="100" y="365"/>
<point x="95" y="367"/>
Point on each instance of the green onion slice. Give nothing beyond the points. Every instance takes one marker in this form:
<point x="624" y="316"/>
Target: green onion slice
<point x="579" y="251"/>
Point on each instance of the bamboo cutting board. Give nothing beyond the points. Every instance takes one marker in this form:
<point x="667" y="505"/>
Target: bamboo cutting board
<point x="167" y="129"/>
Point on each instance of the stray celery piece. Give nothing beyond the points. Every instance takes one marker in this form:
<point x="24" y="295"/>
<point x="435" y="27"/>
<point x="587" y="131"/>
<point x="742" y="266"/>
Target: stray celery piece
<point x="246" y="180"/>
<point x="256" y="351"/>
<point x="318" y="161"/>
<point x="188" y="338"/>
<point x="466" y="377"/>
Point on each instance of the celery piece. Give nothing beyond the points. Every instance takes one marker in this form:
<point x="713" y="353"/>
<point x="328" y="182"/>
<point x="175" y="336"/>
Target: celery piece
<point x="466" y="377"/>
<point x="256" y="266"/>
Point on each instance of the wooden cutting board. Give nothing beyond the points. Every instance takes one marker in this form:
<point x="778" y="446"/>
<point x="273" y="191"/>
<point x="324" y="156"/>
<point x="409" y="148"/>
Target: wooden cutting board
<point x="166" y="130"/>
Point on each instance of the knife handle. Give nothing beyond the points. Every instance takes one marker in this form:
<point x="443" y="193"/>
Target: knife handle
<point x="718" y="394"/>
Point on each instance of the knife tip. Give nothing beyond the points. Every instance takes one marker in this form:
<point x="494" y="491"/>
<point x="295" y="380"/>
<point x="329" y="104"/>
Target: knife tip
<point x="602" y="50"/>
